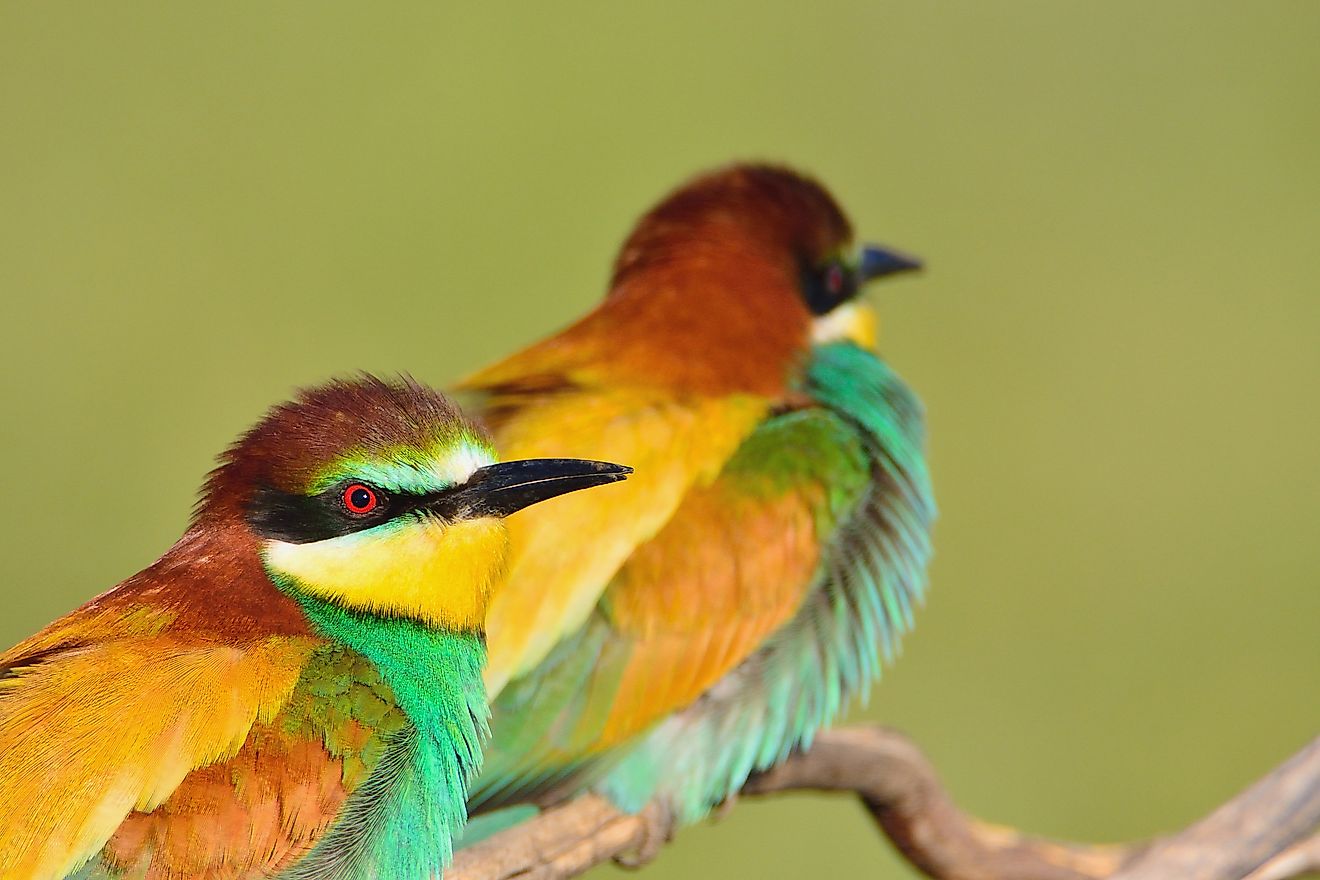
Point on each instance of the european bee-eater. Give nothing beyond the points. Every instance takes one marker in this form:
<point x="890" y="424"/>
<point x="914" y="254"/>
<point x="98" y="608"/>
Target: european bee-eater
<point x="744" y="586"/>
<point x="294" y="689"/>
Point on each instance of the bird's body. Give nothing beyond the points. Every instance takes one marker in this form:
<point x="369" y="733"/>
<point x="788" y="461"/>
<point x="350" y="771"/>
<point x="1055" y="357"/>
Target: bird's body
<point x="771" y="548"/>
<point x="294" y="689"/>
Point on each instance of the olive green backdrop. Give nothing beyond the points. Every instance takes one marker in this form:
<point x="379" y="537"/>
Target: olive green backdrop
<point x="205" y="205"/>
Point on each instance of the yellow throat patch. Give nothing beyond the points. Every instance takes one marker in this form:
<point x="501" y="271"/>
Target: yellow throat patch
<point x="440" y="574"/>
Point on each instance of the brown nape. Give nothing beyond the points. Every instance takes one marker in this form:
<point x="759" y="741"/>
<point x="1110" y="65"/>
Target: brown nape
<point x="211" y="583"/>
<point x="296" y="441"/>
<point x="706" y="296"/>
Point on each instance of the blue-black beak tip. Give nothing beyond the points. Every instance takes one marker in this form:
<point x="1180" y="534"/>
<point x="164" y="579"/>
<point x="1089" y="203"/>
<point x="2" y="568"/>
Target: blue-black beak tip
<point x="877" y="262"/>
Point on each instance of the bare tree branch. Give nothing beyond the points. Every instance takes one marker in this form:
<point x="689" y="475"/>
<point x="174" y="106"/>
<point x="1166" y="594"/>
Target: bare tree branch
<point x="1258" y="835"/>
<point x="899" y="787"/>
<point x="1304" y="858"/>
<point x="560" y="843"/>
<point x="1264" y="820"/>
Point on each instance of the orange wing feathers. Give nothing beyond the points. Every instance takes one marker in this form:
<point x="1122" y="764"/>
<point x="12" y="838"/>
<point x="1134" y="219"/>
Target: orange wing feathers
<point x="266" y="806"/>
<point x="121" y="725"/>
<point x="728" y="570"/>
<point x="557" y="577"/>
<point x="775" y="533"/>
<point x="732" y="565"/>
<point x="163" y="732"/>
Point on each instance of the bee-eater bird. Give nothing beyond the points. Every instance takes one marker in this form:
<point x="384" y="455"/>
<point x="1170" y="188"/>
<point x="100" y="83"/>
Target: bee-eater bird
<point x="769" y="551"/>
<point x="293" y="690"/>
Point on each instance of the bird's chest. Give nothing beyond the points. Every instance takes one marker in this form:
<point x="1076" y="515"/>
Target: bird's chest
<point x="401" y="710"/>
<point x="343" y="703"/>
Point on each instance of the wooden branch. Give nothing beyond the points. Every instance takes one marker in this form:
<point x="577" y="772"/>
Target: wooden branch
<point x="1263" y="821"/>
<point x="1259" y="835"/>
<point x="1304" y="858"/>
<point x="900" y="789"/>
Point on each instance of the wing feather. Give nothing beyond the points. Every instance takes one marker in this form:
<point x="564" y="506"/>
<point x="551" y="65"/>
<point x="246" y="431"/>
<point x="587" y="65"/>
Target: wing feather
<point x="93" y="732"/>
<point x="732" y="566"/>
<point x="871" y="577"/>
<point x="744" y="615"/>
<point x="556" y="578"/>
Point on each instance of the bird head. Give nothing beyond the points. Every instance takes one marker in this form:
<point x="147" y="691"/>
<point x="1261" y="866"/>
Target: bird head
<point x="726" y="284"/>
<point x="383" y="497"/>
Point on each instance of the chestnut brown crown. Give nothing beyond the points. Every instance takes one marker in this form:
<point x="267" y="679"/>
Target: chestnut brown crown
<point x="366" y="417"/>
<point x="765" y="212"/>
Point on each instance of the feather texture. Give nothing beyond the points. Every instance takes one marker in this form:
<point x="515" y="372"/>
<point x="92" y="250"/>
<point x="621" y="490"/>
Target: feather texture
<point x="870" y="577"/>
<point x="569" y="548"/>
<point x="191" y="704"/>
<point x="772" y="547"/>
<point x="749" y="617"/>
<point x="145" y="741"/>
<point x="215" y="718"/>
<point x="402" y="820"/>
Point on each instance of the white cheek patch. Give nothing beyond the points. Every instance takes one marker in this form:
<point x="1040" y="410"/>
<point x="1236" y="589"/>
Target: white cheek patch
<point x="835" y="325"/>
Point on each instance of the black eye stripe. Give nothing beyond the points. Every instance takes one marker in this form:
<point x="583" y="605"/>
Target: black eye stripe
<point x="825" y="288"/>
<point x="302" y="519"/>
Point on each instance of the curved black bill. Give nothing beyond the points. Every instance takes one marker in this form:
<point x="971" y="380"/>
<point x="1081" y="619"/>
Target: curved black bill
<point x="877" y="262"/>
<point x="509" y="486"/>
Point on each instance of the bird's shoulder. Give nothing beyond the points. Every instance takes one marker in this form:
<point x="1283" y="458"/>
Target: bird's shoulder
<point x="108" y="711"/>
<point x="209" y="587"/>
<point x="264" y="807"/>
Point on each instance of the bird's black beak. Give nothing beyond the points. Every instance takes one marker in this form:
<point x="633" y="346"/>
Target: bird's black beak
<point x="509" y="486"/>
<point x="877" y="262"/>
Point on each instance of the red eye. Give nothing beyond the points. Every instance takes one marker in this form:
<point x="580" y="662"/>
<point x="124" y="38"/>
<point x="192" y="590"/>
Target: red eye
<point x="360" y="499"/>
<point x="834" y="280"/>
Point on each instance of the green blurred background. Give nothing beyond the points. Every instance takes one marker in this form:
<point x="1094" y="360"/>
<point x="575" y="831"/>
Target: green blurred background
<point x="205" y="205"/>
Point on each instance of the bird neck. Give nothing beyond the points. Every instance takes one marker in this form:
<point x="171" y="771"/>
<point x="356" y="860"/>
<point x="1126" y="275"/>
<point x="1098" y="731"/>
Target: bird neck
<point x="435" y="676"/>
<point x="683" y="326"/>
